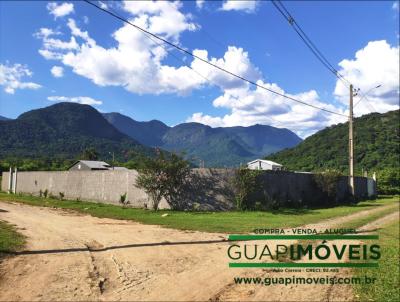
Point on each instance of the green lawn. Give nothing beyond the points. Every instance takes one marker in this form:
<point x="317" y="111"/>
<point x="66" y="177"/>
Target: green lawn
<point x="375" y="215"/>
<point x="226" y="222"/>
<point x="387" y="286"/>
<point x="10" y="239"/>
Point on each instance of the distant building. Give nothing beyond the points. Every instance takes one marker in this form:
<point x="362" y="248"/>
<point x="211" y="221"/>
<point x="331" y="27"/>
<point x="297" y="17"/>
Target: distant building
<point x="93" y="165"/>
<point x="262" y="164"/>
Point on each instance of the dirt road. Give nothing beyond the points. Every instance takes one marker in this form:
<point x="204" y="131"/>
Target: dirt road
<point x="76" y="257"/>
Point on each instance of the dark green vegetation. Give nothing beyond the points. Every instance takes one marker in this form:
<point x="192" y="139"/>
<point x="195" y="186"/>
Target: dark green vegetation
<point x="227" y="222"/>
<point x="377" y="143"/>
<point x="246" y="183"/>
<point x="389" y="180"/>
<point x="148" y="133"/>
<point x="52" y="138"/>
<point x="61" y="133"/>
<point x="387" y="285"/>
<point x="165" y="176"/>
<point x="218" y="147"/>
<point x="10" y="239"/>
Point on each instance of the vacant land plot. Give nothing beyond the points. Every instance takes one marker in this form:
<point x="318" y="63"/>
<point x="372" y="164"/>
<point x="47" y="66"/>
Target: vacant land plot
<point x="74" y="256"/>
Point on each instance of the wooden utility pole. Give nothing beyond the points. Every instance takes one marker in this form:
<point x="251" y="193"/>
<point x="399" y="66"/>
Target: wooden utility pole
<point x="351" y="144"/>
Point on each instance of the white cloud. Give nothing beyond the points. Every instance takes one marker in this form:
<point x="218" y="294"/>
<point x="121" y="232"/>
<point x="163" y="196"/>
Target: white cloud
<point x="45" y="33"/>
<point x="161" y="17"/>
<point x="248" y="6"/>
<point x="235" y="60"/>
<point x="61" y="10"/>
<point x="200" y="3"/>
<point x="257" y="106"/>
<point x="77" y="32"/>
<point x="78" y="99"/>
<point x="395" y="6"/>
<point x="103" y="5"/>
<point x="57" y="71"/>
<point x="375" y="64"/>
<point x="135" y="63"/>
<point x="86" y="19"/>
<point x="11" y="78"/>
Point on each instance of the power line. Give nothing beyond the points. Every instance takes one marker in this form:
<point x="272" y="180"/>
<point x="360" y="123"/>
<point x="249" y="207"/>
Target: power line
<point x="364" y="96"/>
<point x="195" y="71"/>
<point x="314" y="49"/>
<point x="209" y="63"/>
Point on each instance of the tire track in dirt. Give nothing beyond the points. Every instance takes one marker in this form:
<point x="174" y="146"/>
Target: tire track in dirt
<point x="80" y="257"/>
<point x="232" y="291"/>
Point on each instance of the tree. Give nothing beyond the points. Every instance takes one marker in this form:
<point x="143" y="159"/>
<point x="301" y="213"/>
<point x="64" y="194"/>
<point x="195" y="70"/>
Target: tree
<point x="165" y="176"/>
<point x="328" y="181"/>
<point x="389" y="181"/>
<point x="90" y="154"/>
<point x="246" y="183"/>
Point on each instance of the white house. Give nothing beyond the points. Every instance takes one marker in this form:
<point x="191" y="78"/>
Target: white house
<point x="262" y="164"/>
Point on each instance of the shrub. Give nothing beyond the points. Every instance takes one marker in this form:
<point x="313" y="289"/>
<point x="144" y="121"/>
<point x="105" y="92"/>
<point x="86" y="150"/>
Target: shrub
<point x="246" y="183"/>
<point x="61" y="194"/>
<point x="165" y="176"/>
<point x="122" y="200"/>
<point x="388" y="181"/>
<point x="327" y="181"/>
<point x="45" y="193"/>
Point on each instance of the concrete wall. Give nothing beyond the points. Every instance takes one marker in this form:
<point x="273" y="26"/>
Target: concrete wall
<point x="301" y="189"/>
<point x="101" y="186"/>
<point x="211" y="189"/>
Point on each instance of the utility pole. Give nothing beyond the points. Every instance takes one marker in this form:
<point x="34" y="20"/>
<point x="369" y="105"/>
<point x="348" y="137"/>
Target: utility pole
<point x="351" y="144"/>
<point x="112" y="159"/>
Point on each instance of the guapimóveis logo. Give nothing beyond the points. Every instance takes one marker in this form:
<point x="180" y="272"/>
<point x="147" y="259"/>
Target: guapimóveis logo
<point x="304" y="251"/>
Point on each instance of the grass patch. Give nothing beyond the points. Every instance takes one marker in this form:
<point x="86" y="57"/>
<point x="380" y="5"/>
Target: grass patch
<point x="225" y="222"/>
<point x="379" y="213"/>
<point x="10" y="239"/>
<point x="386" y="288"/>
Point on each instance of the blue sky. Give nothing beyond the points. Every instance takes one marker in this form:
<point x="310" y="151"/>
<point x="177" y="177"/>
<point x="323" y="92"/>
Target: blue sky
<point x="132" y="75"/>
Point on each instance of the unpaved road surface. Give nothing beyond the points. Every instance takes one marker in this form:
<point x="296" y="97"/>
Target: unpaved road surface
<point x="78" y="257"/>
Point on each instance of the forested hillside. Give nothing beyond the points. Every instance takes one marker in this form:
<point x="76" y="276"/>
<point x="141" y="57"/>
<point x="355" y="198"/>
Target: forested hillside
<point x="376" y="146"/>
<point x="216" y="147"/>
<point x="62" y="132"/>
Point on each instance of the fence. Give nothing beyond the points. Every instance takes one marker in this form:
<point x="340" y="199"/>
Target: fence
<point x="212" y="189"/>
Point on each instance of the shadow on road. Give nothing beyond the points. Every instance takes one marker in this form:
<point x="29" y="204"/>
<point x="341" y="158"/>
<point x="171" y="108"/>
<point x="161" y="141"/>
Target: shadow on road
<point x="115" y="247"/>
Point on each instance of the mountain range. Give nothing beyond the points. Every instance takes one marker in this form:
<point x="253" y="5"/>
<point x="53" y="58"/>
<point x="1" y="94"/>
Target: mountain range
<point x="376" y="141"/>
<point x="3" y="118"/>
<point x="64" y="130"/>
<point x="217" y="147"/>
